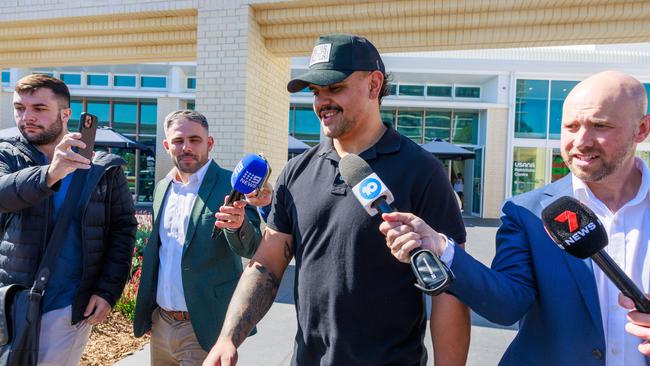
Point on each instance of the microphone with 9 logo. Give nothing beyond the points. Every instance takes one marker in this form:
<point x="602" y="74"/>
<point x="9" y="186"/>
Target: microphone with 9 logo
<point x="250" y="173"/>
<point x="577" y="230"/>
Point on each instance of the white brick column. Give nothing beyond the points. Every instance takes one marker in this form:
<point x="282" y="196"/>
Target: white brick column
<point x="494" y="163"/>
<point x="241" y="86"/>
<point x="163" y="161"/>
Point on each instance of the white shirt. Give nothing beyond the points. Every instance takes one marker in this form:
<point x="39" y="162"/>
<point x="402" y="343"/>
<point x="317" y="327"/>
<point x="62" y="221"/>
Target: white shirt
<point x="628" y="231"/>
<point x="176" y="211"/>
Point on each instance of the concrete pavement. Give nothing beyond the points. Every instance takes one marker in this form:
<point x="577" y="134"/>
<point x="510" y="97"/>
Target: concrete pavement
<point x="273" y="344"/>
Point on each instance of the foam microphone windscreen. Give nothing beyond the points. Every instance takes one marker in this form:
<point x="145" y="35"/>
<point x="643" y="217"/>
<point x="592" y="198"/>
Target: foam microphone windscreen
<point x="354" y="169"/>
<point x="574" y="227"/>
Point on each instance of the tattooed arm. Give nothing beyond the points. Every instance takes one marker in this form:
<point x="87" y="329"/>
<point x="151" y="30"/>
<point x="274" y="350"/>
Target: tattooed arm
<point x="253" y="297"/>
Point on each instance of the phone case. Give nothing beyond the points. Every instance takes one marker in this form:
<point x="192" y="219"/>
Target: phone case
<point x="88" y="130"/>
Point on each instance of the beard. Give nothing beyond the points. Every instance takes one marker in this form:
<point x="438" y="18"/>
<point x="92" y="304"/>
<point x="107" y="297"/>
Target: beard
<point x="607" y="168"/>
<point x="188" y="167"/>
<point x="47" y="136"/>
<point x="343" y="126"/>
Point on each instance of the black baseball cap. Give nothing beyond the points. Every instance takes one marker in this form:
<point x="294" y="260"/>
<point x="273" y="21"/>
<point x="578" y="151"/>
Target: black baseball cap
<point x="335" y="57"/>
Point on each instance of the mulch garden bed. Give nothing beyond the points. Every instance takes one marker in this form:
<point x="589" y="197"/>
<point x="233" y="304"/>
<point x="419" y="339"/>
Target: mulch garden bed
<point x="112" y="341"/>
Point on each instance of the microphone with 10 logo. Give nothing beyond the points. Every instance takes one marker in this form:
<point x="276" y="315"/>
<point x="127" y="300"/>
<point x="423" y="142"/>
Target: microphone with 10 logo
<point x="432" y="275"/>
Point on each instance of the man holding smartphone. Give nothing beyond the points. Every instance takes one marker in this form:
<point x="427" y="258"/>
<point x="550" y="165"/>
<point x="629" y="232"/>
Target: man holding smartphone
<point x="36" y="169"/>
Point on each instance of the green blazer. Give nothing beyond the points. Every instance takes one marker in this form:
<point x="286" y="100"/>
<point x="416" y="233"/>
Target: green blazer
<point x="210" y="268"/>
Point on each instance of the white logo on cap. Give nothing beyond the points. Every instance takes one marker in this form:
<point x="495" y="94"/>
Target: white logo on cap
<point x="321" y="53"/>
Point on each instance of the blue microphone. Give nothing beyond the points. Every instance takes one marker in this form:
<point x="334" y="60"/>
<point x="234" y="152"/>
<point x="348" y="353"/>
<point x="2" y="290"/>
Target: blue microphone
<point x="249" y="174"/>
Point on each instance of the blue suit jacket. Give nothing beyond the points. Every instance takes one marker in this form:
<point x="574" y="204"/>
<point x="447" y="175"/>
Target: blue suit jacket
<point x="552" y="294"/>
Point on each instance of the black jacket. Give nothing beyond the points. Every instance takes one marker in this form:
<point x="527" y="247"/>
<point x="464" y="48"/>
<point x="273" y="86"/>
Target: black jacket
<point x="108" y="223"/>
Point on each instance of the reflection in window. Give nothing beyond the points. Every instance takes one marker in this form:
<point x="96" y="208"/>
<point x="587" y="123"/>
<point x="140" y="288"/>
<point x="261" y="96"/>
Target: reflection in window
<point x="468" y="92"/>
<point x="438" y="125"/>
<point x="558" y="168"/>
<point x="100" y="108"/>
<point x="528" y="169"/>
<point x="153" y="82"/>
<point x="97" y="80"/>
<point x="530" y="108"/>
<point x="191" y="83"/>
<point x="6" y="76"/>
<point x="148" y="117"/>
<point x="559" y="92"/>
<point x="465" y="128"/>
<point x="409" y="124"/>
<point x="190" y="105"/>
<point x="306" y="126"/>
<point x="124" y="81"/>
<point x="76" y="106"/>
<point x="439" y="91"/>
<point x="71" y="79"/>
<point x="125" y="117"/>
<point x="411" y="90"/>
<point x="146" y="169"/>
<point x="388" y="116"/>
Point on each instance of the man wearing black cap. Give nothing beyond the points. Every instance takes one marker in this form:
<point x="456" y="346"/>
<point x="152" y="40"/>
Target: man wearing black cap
<point x="356" y="304"/>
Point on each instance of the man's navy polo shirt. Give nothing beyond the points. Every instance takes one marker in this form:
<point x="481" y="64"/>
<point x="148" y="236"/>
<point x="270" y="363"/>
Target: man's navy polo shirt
<point x="356" y="304"/>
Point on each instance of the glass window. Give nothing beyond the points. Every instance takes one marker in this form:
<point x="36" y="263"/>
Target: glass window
<point x="147" y="170"/>
<point x="558" y="168"/>
<point x="76" y="106"/>
<point x="388" y="116"/>
<point x="530" y="108"/>
<point x="44" y="72"/>
<point x="411" y="90"/>
<point x="190" y="105"/>
<point x="125" y="116"/>
<point x="97" y="80"/>
<point x="465" y="128"/>
<point x="468" y="92"/>
<point x="647" y="92"/>
<point x="439" y="91"/>
<point x="6" y="76"/>
<point x="306" y="126"/>
<point x="392" y="89"/>
<point x="129" y="167"/>
<point x="148" y="117"/>
<point x="191" y="83"/>
<point x="153" y="81"/>
<point x="71" y="79"/>
<point x="528" y="169"/>
<point x="124" y="81"/>
<point x="409" y="124"/>
<point x="559" y="91"/>
<point x="438" y="125"/>
<point x="100" y="108"/>
<point x="477" y="181"/>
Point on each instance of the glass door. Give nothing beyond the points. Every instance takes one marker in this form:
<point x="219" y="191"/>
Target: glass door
<point x="477" y="181"/>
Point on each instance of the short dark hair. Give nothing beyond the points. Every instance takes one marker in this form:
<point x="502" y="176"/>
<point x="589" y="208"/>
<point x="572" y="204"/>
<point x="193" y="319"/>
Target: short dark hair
<point x="385" y="88"/>
<point x="31" y="83"/>
<point x="187" y="114"/>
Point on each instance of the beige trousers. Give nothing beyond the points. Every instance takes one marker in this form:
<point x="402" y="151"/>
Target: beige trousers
<point x="61" y="343"/>
<point x="173" y="342"/>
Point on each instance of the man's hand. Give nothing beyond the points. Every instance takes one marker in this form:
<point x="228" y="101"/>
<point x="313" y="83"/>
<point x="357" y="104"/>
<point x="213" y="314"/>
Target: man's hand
<point x="406" y="232"/>
<point x="230" y="217"/>
<point x="224" y="353"/>
<point x="65" y="161"/>
<point x="261" y="197"/>
<point x="639" y="324"/>
<point x="97" y="310"/>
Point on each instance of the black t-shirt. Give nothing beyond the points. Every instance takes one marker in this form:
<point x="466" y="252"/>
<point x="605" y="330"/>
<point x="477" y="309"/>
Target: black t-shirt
<point x="356" y="304"/>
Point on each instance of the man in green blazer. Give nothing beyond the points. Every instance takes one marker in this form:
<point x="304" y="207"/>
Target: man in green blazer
<point x="188" y="277"/>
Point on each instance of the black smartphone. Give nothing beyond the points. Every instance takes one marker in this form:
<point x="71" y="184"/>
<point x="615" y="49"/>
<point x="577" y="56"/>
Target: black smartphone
<point x="88" y="130"/>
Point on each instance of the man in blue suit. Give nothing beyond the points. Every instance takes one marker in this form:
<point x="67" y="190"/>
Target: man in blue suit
<point x="568" y="311"/>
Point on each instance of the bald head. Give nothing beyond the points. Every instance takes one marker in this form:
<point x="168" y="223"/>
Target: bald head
<point x="611" y="90"/>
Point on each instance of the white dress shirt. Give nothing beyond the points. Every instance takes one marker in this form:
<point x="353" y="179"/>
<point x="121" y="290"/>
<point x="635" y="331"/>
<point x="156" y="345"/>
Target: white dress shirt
<point x="628" y="231"/>
<point x="176" y="211"/>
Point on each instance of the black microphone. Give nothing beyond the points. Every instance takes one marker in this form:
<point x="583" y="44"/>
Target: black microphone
<point x="433" y="276"/>
<point x="577" y="230"/>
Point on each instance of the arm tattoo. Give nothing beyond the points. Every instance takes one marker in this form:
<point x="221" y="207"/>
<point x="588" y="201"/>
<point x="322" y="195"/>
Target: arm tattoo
<point x="253" y="297"/>
<point x="288" y="251"/>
